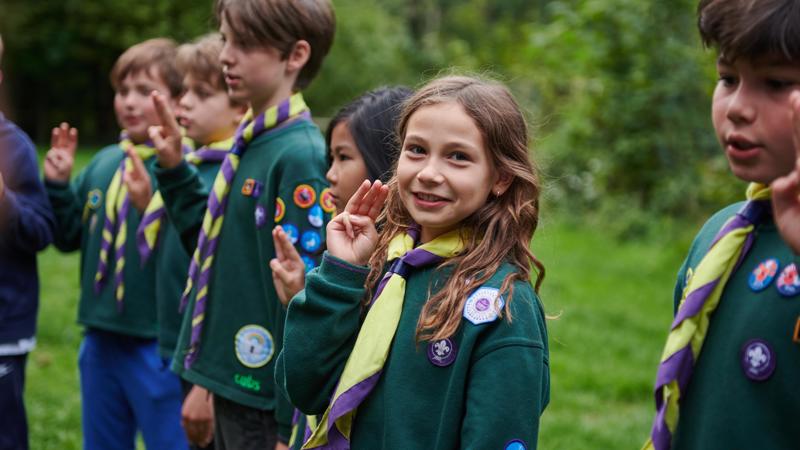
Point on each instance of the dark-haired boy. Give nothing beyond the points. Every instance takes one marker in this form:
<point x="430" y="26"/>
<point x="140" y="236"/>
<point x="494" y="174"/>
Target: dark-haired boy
<point x="728" y="374"/>
<point x="274" y="175"/>
<point x="125" y="385"/>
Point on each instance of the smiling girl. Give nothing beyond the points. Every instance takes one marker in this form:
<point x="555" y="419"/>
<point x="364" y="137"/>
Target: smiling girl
<point x="432" y="329"/>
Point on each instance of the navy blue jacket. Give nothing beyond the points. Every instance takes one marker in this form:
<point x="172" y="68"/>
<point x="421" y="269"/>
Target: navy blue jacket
<point x="26" y="226"/>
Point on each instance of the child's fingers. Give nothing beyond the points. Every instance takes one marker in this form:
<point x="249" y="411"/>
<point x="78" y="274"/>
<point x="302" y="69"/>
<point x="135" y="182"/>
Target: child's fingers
<point x="278" y="237"/>
<point x="156" y="133"/>
<point x="138" y="169"/>
<point x="377" y="205"/>
<point x="165" y="115"/>
<point x="72" y="140"/>
<point x="355" y="201"/>
<point x="794" y="101"/>
<point x="348" y="227"/>
<point x="54" y="137"/>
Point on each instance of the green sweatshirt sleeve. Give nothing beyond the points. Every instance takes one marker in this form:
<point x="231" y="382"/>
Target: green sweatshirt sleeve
<point x="185" y="198"/>
<point x="68" y="202"/>
<point x="321" y="328"/>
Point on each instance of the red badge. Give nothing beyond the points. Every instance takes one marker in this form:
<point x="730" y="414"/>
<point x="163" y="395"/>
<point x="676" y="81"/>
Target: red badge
<point x="248" y="186"/>
<point x="304" y="196"/>
<point x="280" y="209"/>
<point x="326" y="201"/>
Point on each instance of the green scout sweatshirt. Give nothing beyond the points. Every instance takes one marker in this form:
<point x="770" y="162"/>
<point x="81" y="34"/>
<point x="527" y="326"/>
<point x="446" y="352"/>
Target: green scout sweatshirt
<point x="280" y="180"/>
<point x="490" y="396"/>
<point x="79" y="207"/>
<point x="172" y="266"/>
<point x="723" y="408"/>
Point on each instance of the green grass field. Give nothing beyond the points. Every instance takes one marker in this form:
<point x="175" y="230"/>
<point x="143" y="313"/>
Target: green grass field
<point x="613" y="305"/>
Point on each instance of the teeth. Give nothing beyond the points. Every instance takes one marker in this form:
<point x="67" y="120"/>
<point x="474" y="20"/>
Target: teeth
<point x="429" y="197"/>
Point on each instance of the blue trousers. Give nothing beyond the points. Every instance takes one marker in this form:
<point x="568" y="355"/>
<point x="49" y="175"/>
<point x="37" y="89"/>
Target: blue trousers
<point x="13" y="425"/>
<point x="127" y="387"/>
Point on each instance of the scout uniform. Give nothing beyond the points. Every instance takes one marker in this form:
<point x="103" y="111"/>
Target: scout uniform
<point x="484" y="387"/>
<point x="743" y="391"/>
<point x="124" y="383"/>
<point x="228" y="342"/>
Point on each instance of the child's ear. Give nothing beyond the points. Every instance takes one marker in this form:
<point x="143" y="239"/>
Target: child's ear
<point x="502" y="183"/>
<point x="299" y="56"/>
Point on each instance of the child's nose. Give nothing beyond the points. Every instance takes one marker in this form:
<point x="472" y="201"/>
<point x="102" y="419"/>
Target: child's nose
<point x="430" y="173"/>
<point x="742" y="108"/>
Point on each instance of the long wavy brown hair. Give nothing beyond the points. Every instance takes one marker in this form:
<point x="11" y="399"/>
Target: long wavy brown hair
<point x="501" y="230"/>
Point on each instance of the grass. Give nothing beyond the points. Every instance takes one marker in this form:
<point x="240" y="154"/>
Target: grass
<point x="613" y="301"/>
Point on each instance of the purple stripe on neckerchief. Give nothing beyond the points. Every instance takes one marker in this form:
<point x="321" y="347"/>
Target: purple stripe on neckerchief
<point x="141" y="239"/>
<point x="107" y="245"/>
<point x="206" y="154"/>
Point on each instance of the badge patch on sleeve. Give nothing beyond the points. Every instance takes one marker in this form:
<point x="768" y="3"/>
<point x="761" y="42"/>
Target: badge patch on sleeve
<point x="291" y="232"/>
<point x="326" y="201"/>
<point x="515" y="444"/>
<point x="261" y="216"/>
<point x="280" y="209"/>
<point x="311" y="241"/>
<point x="309" y="262"/>
<point x="254" y="346"/>
<point x="93" y="198"/>
<point x="315" y="216"/>
<point x="482" y="305"/>
<point x="304" y="196"/>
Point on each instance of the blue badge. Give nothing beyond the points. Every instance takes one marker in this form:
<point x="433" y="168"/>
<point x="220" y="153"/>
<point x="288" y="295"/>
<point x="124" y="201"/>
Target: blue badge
<point x="516" y="444"/>
<point x="93" y="198"/>
<point x="311" y="241"/>
<point x="254" y="346"/>
<point x="291" y="232"/>
<point x="482" y="305"/>
<point x="788" y="282"/>
<point x="442" y="353"/>
<point x="763" y="274"/>
<point x="261" y="216"/>
<point x="309" y="262"/>
<point x="315" y="216"/>
<point x="258" y="188"/>
<point x="758" y="360"/>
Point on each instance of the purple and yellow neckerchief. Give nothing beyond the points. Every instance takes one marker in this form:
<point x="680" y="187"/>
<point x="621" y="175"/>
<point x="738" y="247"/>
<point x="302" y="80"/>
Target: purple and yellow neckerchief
<point x="147" y="236"/>
<point x="700" y="299"/>
<point x="115" y="227"/>
<point x="365" y="363"/>
<point x="202" y="261"/>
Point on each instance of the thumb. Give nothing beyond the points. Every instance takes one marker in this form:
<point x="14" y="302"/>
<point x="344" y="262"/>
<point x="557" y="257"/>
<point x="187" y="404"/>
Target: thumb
<point x="138" y="171"/>
<point x="278" y="270"/>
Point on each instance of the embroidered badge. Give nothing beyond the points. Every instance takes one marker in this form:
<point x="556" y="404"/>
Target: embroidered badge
<point x="247" y="382"/>
<point x="258" y="188"/>
<point x="482" y="305"/>
<point x="309" y="262"/>
<point x="758" y="360"/>
<point x="304" y="196"/>
<point x="763" y="275"/>
<point x="315" y="216"/>
<point x="93" y="198"/>
<point x="311" y="241"/>
<point x="261" y="216"/>
<point x="788" y="282"/>
<point x="442" y="353"/>
<point x="291" y="232"/>
<point x="516" y="444"/>
<point x="326" y="201"/>
<point x="254" y="346"/>
<point x="248" y="187"/>
<point x="280" y="209"/>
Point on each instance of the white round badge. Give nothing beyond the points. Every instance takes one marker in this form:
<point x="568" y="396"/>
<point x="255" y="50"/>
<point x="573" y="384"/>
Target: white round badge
<point x="254" y="346"/>
<point x="480" y="306"/>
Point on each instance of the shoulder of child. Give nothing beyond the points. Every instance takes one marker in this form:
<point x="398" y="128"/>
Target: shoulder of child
<point x="712" y="226"/>
<point x="483" y="303"/>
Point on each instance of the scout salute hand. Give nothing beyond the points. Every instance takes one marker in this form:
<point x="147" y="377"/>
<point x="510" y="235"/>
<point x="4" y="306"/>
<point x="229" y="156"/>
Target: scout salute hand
<point x="167" y="136"/>
<point x="138" y="181"/>
<point x="288" y="269"/>
<point x="786" y="190"/>
<point x="352" y="235"/>
<point x="61" y="156"/>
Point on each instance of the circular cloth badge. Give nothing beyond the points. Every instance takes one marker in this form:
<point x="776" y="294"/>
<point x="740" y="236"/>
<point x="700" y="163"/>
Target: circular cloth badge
<point x="261" y="216"/>
<point x="516" y="444"/>
<point x="758" y="360"/>
<point x="788" y="282"/>
<point x="763" y="275"/>
<point x="280" y="209"/>
<point x="291" y="232"/>
<point x="311" y="241"/>
<point x="309" y="262"/>
<point x="442" y="353"/>
<point x="254" y="346"/>
<point x="315" y="216"/>
<point x="326" y="201"/>
<point x="93" y="198"/>
<point x="304" y="196"/>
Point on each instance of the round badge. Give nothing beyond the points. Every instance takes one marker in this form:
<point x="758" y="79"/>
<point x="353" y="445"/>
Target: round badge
<point x="280" y="209"/>
<point x="763" y="274"/>
<point x="516" y="444"/>
<point x="442" y="353"/>
<point x="254" y="346"/>
<point x="311" y="241"/>
<point x="315" y="216"/>
<point x="326" y="201"/>
<point x="309" y="262"/>
<point x="788" y="282"/>
<point x="758" y="360"/>
<point x="93" y="198"/>
<point x="291" y="232"/>
<point x="304" y="196"/>
<point x="261" y="216"/>
<point x="480" y="308"/>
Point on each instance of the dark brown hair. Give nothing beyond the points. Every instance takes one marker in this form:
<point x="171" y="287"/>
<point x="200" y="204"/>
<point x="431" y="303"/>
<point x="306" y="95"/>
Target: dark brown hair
<point x="751" y="28"/>
<point x="499" y="231"/>
<point x="158" y="54"/>
<point x="280" y="24"/>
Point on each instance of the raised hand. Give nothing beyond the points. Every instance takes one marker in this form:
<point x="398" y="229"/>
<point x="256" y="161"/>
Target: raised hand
<point x="786" y="190"/>
<point x="61" y="157"/>
<point x="167" y="136"/>
<point x="288" y="270"/>
<point x="138" y="182"/>
<point x="197" y="417"/>
<point x="351" y="235"/>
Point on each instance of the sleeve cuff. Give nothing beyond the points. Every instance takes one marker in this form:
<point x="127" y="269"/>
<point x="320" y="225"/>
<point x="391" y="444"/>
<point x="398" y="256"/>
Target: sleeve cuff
<point x="343" y="272"/>
<point x="174" y="175"/>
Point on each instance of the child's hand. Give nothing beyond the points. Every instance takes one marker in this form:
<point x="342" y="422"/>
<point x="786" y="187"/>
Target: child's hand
<point x="2" y="186"/>
<point x="197" y="416"/>
<point x="288" y="270"/>
<point x="281" y="446"/>
<point x="351" y="235"/>
<point x="138" y="182"/>
<point x="60" y="158"/>
<point x="786" y="190"/>
<point x="167" y="136"/>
